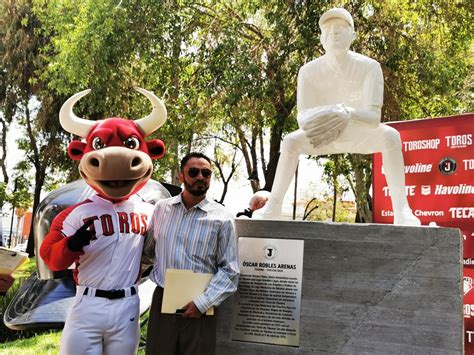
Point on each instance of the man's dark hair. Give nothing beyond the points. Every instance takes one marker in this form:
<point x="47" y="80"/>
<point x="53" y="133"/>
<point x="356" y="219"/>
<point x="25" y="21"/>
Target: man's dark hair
<point x="193" y="155"/>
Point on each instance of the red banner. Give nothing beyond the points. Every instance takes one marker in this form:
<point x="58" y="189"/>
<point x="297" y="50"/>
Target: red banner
<point x="439" y="177"/>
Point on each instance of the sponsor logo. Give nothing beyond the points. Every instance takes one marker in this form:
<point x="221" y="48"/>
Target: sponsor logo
<point x="461" y="189"/>
<point x="415" y="168"/>
<point x="462" y="212"/>
<point x="468" y="164"/>
<point x="426" y="190"/>
<point x="459" y="141"/>
<point x="467" y="284"/>
<point x="421" y="144"/>
<point x="447" y="166"/>
<point x="409" y="190"/>
<point x="418" y="168"/>
<point x="420" y="213"/>
<point x="269" y="252"/>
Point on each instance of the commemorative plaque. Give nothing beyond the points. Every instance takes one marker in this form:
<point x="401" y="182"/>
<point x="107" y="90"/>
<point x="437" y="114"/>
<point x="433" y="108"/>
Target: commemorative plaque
<point x="268" y="301"/>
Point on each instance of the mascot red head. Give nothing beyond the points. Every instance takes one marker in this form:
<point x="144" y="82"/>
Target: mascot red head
<point x="115" y="159"/>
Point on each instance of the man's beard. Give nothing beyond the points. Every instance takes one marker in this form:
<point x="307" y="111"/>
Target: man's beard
<point x="199" y="190"/>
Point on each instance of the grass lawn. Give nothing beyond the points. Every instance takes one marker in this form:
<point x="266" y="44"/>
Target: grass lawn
<point x="28" y="342"/>
<point x="47" y="343"/>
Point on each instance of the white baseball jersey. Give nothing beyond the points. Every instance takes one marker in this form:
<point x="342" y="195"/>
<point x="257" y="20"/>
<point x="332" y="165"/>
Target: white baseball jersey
<point x="112" y="259"/>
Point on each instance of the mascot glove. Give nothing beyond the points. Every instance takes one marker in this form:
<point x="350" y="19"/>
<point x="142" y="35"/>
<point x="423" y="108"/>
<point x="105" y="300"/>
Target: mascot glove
<point x="81" y="238"/>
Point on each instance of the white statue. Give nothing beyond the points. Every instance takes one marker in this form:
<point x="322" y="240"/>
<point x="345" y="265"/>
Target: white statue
<point x="339" y="101"/>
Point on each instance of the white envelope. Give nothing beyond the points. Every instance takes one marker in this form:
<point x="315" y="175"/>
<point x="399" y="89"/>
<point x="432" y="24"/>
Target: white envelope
<point x="181" y="287"/>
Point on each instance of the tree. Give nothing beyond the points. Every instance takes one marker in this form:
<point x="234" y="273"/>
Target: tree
<point x="7" y="98"/>
<point x="35" y="109"/>
<point x="253" y="51"/>
<point x="19" y="198"/>
<point x="223" y="161"/>
<point x="149" y="44"/>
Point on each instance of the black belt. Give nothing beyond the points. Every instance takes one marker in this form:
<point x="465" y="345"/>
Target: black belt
<point x="111" y="294"/>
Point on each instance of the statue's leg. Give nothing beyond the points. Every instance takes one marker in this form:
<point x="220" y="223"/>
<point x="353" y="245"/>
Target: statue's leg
<point x="292" y="146"/>
<point x="395" y="174"/>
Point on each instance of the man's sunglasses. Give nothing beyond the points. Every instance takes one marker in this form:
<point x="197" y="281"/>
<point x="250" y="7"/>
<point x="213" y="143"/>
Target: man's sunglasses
<point x="194" y="172"/>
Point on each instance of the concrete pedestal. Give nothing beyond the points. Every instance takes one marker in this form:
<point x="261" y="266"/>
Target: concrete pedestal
<point x="367" y="289"/>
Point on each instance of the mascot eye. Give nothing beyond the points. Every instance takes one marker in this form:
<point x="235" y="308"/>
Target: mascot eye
<point x="98" y="143"/>
<point x="132" y="143"/>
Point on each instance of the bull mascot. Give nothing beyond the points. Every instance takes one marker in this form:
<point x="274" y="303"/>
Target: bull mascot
<point x="103" y="235"/>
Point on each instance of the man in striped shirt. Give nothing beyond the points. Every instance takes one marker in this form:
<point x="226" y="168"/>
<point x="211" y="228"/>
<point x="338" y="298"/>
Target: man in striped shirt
<point x="194" y="233"/>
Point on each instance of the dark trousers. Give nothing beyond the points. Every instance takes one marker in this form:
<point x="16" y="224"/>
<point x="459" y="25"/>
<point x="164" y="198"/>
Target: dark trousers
<point x="171" y="334"/>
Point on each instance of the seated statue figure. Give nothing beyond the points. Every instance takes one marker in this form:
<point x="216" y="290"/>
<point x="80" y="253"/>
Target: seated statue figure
<point x="339" y="101"/>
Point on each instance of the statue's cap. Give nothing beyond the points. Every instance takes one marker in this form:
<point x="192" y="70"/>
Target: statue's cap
<point x="337" y="12"/>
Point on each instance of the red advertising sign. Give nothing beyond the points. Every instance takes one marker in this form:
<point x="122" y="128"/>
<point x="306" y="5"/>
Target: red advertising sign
<point x="439" y="178"/>
<point x="468" y="310"/>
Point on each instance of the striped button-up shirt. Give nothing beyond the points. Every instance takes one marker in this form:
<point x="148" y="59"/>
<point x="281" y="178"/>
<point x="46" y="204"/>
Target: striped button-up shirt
<point x="201" y="239"/>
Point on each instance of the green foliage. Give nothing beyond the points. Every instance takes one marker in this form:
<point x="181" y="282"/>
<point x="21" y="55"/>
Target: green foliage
<point x="149" y="45"/>
<point x="423" y="47"/>
<point x="3" y="193"/>
<point x="46" y="342"/>
<point x="21" y="196"/>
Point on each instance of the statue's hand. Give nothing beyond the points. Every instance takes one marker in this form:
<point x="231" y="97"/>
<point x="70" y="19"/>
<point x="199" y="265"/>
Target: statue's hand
<point x="326" y="126"/>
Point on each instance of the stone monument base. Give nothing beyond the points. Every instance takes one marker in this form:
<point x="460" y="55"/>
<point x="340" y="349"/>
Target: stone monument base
<point x="367" y="289"/>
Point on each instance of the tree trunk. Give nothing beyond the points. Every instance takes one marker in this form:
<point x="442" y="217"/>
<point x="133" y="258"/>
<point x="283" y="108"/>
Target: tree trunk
<point x="283" y="107"/>
<point x="3" y="158"/>
<point x="274" y="153"/>
<point x="174" y="89"/>
<point x="250" y="157"/>
<point x="40" y="173"/>
<point x="175" y="169"/>
<point x="360" y="164"/>
<point x="30" y="248"/>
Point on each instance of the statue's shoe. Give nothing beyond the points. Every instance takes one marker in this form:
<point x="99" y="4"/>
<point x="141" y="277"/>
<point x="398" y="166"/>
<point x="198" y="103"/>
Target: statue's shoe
<point x="406" y="218"/>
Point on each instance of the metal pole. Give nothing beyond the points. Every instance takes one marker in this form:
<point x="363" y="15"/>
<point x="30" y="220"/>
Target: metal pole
<point x="295" y="194"/>
<point x="13" y="215"/>
<point x="334" y="181"/>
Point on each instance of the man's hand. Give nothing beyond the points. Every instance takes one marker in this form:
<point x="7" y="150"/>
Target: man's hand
<point x="259" y="199"/>
<point x="81" y="238"/>
<point x="6" y="281"/>
<point x="191" y="311"/>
